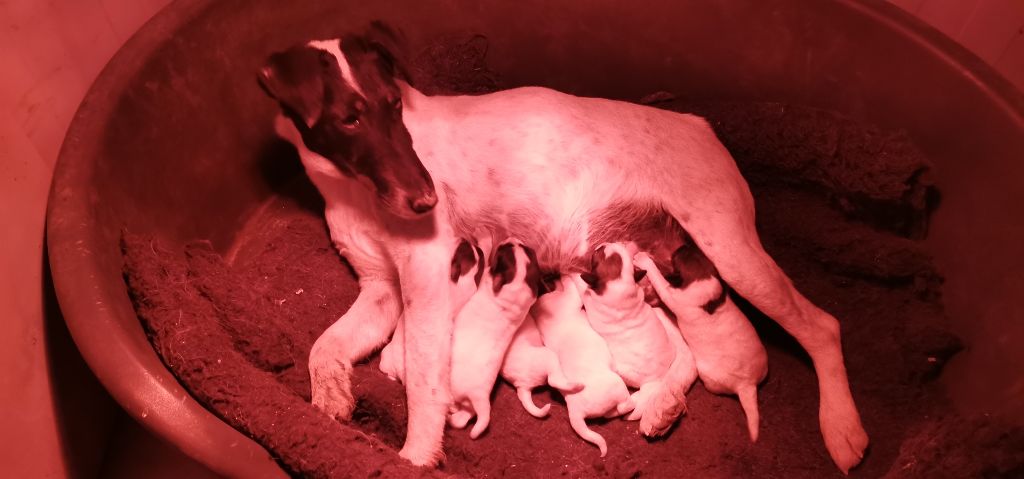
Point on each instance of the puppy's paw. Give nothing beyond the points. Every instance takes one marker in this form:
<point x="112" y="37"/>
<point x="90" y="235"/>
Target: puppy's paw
<point x="459" y="418"/>
<point x="662" y="411"/>
<point x="642" y="399"/>
<point x="643" y="261"/>
<point x="844" y="436"/>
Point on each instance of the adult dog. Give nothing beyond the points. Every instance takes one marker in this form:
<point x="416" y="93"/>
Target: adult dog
<point x="405" y="175"/>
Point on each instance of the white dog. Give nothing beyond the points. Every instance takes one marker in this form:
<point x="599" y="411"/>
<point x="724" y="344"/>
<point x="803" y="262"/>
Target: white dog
<point x="584" y="357"/>
<point x="529" y="364"/>
<point x="403" y="175"/>
<point x="729" y="354"/>
<point x="466" y="272"/>
<point x="484" y="329"/>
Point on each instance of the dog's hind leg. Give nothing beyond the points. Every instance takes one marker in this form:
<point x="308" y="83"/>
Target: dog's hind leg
<point x="724" y="230"/>
<point x="365" y="326"/>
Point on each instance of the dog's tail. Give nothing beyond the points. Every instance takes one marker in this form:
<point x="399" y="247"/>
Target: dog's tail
<point x="483" y="416"/>
<point x="579" y="424"/>
<point x="526" y="397"/>
<point x="748" y="400"/>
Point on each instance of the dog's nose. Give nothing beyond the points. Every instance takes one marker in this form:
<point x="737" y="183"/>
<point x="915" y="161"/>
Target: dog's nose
<point x="423" y="203"/>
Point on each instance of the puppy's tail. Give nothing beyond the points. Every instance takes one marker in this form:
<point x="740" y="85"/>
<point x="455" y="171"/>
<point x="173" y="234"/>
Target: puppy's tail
<point x="579" y="424"/>
<point x="748" y="400"/>
<point x="526" y="397"/>
<point x="483" y="416"/>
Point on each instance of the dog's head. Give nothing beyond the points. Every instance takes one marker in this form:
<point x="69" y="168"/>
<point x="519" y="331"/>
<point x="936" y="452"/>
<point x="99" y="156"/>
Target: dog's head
<point x="611" y="263"/>
<point x="689" y="264"/>
<point x="515" y="263"/>
<point x="466" y="272"/>
<point x="344" y="98"/>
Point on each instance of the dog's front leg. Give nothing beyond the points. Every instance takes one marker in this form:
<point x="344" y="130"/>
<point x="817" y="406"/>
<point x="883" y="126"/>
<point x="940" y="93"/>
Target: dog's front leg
<point x="358" y="332"/>
<point x="428" y="336"/>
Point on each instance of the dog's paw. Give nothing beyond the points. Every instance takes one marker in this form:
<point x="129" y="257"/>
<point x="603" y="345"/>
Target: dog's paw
<point x="423" y="457"/>
<point x="845" y="438"/>
<point x="331" y="388"/>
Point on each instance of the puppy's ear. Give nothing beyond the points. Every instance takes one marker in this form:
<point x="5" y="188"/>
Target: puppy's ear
<point x="638" y="274"/>
<point x="294" y="78"/>
<point x="480" y="259"/>
<point x="462" y="261"/>
<point x="503" y="270"/>
<point x="548" y="283"/>
<point x="674" y="280"/>
<point x="533" y="275"/>
<point x="591" y="279"/>
<point x="390" y="46"/>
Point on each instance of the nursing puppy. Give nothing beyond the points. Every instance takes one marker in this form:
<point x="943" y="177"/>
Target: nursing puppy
<point x="485" y="327"/>
<point x="729" y="354"/>
<point x="584" y="357"/>
<point x="466" y="271"/>
<point x="529" y="364"/>
<point x="404" y="175"/>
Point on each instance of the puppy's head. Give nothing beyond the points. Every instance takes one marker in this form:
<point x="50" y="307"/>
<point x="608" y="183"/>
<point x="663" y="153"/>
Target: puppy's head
<point x="515" y="263"/>
<point x="343" y="97"/>
<point x="611" y="263"/>
<point x="689" y="264"/>
<point x="467" y="263"/>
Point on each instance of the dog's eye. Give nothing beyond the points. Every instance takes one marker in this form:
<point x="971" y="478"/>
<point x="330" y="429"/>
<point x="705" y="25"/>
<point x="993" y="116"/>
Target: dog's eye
<point x="350" y="121"/>
<point x="397" y="104"/>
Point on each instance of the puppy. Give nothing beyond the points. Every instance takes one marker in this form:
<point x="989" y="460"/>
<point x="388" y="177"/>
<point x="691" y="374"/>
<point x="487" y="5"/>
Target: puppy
<point x="639" y="343"/>
<point x="484" y="328"/>
<point x="529" y="364"/>
<point x="584" y="357"/>
<point x="466" y="271"/>
<point x="730" y="357"/>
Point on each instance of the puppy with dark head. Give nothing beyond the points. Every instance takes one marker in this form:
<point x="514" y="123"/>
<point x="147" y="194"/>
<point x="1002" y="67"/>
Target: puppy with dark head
<point x="729" y="355"/>
<point x="643" y="348"/>
<point x="484" y="329"/>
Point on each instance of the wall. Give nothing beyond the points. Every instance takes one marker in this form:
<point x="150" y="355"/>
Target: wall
<point x="51" y="52"/>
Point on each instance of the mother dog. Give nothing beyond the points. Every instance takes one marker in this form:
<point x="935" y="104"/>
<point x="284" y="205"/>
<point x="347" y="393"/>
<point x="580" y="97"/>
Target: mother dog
<point x="405" y="175"/>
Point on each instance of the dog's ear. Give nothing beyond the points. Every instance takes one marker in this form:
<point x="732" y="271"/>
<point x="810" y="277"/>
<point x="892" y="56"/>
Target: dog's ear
<point x="503" y="270"/>
<point x="548" y="283"/>
<point x="591" y="279"/>
<point x="638" y="274"/>
<point x="294" y="78"/>
<point x="462" y="261"/>
<point x="390" y="46"/>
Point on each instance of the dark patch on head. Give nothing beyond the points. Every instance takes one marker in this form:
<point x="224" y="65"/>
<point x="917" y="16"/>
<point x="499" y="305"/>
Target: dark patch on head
<point x="548" y="283"/>
<point x="603" y="268"/>
<point x="691" y="265"/>
<point x="503" y="268"/>
<point x="295" y="78"/>
<point x="362" y="134"/>
<point x="462" y="261"/>
<point x="479" y="264"/>
<point x="711" y="306"/>
<point x="533" y="273"/>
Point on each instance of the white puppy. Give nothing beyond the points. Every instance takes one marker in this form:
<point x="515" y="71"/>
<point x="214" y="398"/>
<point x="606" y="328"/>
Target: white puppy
<point x="484" y="328"/>
<point x="637" y="338"/>
<point x="584" y="357"/>
<point x="529" y="364"/>
<point x="730" y="357"/>
<point x="466" y="272"/>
